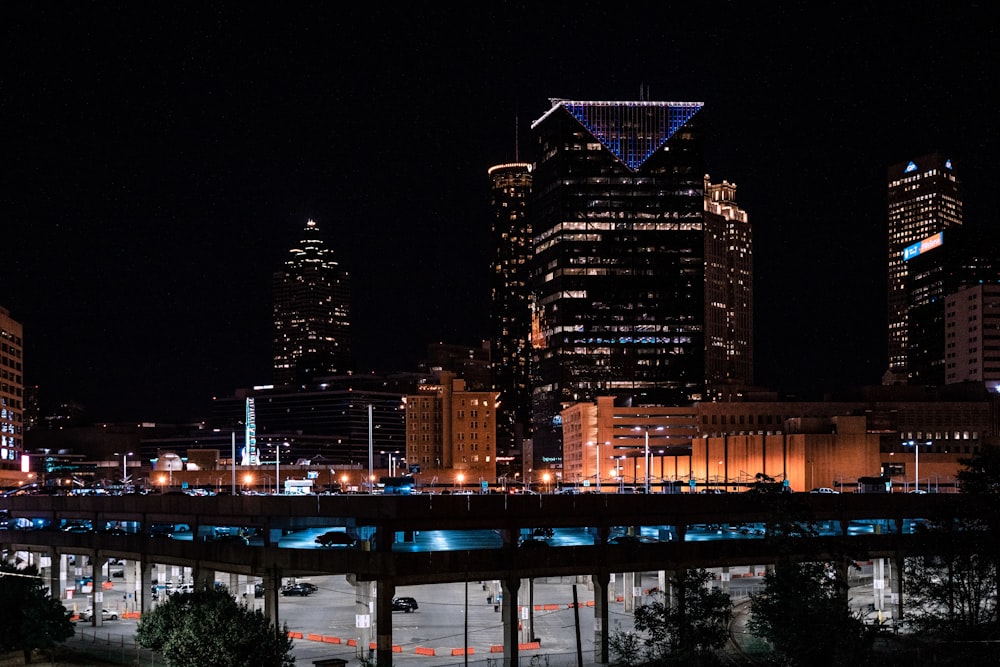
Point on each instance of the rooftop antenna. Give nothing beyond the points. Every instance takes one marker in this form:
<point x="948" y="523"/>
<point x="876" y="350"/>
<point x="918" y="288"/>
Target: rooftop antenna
<point x="517" y="144"/>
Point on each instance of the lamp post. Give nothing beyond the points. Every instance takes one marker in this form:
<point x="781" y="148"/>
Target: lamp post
<point x="645" y="459"/>
<point x="125" y="456"/>
<point x="916" y="461"/>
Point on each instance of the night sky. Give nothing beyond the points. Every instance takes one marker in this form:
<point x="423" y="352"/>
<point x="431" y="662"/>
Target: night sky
<point x="158" y="164"/>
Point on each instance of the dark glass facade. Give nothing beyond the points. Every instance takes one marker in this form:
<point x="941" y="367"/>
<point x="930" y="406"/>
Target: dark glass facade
<point x="312" y="313"/>
<point x="952" y="259"/>
<point x="510" y="314"/>
<point x="618" y="269"/>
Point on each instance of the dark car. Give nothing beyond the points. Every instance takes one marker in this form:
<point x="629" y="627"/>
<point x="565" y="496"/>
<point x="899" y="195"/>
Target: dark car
<point x="404" y="604"/>
<point x="235" y="539"/>
<point x="336" y="538"/>
<point x="300" y="590"/>
<point x="625" y="539"/>
<point x="533" y="544"/>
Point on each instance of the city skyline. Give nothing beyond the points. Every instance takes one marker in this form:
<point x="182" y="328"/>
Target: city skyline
<point x="162" y="163"/>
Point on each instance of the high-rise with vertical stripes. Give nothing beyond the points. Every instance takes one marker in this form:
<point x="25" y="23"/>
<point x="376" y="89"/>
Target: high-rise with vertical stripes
<point x="312" y="313"/>
<point x="510" y="311"/>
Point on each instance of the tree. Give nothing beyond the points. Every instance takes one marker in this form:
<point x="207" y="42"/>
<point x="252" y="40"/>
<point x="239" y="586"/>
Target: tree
<point x="952" y="594"/>
<point x="686" y="633"/>
<point x="30" y="618"/>
<point x="981" y="473"/>
<point x="210" y="629"/>
<point x="803" y="613"/>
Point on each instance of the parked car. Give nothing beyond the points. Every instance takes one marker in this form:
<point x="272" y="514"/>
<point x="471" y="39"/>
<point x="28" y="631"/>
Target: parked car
<point x="404" y="604"/>
<point x="823" y="489"/>
<point x="532" y="544"/>
<point x="106" y="614"/>
<point x="624" y="539"/>
<point x="298" y="590"/>
<point x="336" y="538"/>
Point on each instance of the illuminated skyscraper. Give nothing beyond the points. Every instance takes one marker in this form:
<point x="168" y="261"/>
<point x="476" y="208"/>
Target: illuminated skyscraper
<point x="312" y="313"/>
<point x="510" y="314"/>
<point x="728" y="292"/>
<point x="11" y="393"/>
<point x="923" y="200"/>
<point x="617" y="214"/>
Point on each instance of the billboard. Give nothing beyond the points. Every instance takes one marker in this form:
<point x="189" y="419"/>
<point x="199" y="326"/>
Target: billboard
<point x="929" y="243"/>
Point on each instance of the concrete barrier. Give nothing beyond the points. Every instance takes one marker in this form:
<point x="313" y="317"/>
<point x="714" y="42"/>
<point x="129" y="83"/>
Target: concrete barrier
<point x="423" y="650"/>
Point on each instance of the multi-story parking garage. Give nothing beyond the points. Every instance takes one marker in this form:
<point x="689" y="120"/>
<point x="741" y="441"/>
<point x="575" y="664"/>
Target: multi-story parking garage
<point x="404" y="541"/>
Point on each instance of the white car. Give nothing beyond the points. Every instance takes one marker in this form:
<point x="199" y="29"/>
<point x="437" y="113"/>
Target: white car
<point x="106" y="614"/>
<point x="823" y="489"/>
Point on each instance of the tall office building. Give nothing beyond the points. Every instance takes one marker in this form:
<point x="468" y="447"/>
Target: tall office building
<point x="937" y="267"/>
<point x="312" y="313"/>
<point x="728" y="292"/>
<point x="617" y="214"/>
<point x="972" y="331"/>
<point x="924" y="198"/>
<point x="451" y="432"/>
<point x="510" y="314"/>
<point x="11" y="392"/>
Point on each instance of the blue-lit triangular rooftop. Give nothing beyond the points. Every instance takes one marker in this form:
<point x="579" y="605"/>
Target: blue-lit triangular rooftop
<point x="632" y="131"/>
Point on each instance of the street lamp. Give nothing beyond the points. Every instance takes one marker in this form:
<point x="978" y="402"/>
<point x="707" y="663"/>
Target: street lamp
<point x="646" y="454"/>
<point x="545" y="480"/>
<point x="125" y="456"/>
<point x="916" y="461"/>
<point x="461" y="481"/>
<point x="597" y="463"/>
<point x="718" y="474"/>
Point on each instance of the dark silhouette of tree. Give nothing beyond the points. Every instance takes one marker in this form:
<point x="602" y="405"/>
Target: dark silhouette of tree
<point x="952" y="594"/>
<point x="30" y="618"/>
<point x="803" y="614"/>
<point x="981" y="473"/>
<point x="209" y="628"/>
<point x="687" y="633"/>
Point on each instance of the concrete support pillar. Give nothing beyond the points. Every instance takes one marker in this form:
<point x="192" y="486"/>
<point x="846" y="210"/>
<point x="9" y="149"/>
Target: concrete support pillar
<point x="202" y="577"/>
<point x="56" y="576"/>
<point x="365" y="599"/>
<point x="725" y="578"/>
<point x="144" y="586"/>
<point x="98" y="564"/>
<point x="385" y="592"/>
<point x="64" y="569"/>
<point x="602" y="590"/>
<point x="509" y="607"/>
<point x="234" y="587"/>
<point x="628" y="590"/>
<point x="272" y="583"/>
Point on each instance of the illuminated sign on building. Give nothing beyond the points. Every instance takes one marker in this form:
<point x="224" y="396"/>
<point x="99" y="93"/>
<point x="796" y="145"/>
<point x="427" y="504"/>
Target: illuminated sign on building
<point x="929" y="243"/>
<point x="250" y="449"/>
<point x="910" y="167"/>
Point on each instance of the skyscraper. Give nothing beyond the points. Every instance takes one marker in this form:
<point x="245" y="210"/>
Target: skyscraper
<point x="923" y="199"/>
<point x="312" y="313"/>
<point x="728" y="292"/>
<point x="510" y="313"/>
<point x="11" y="392"/>
<point x="617" y="214"/>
